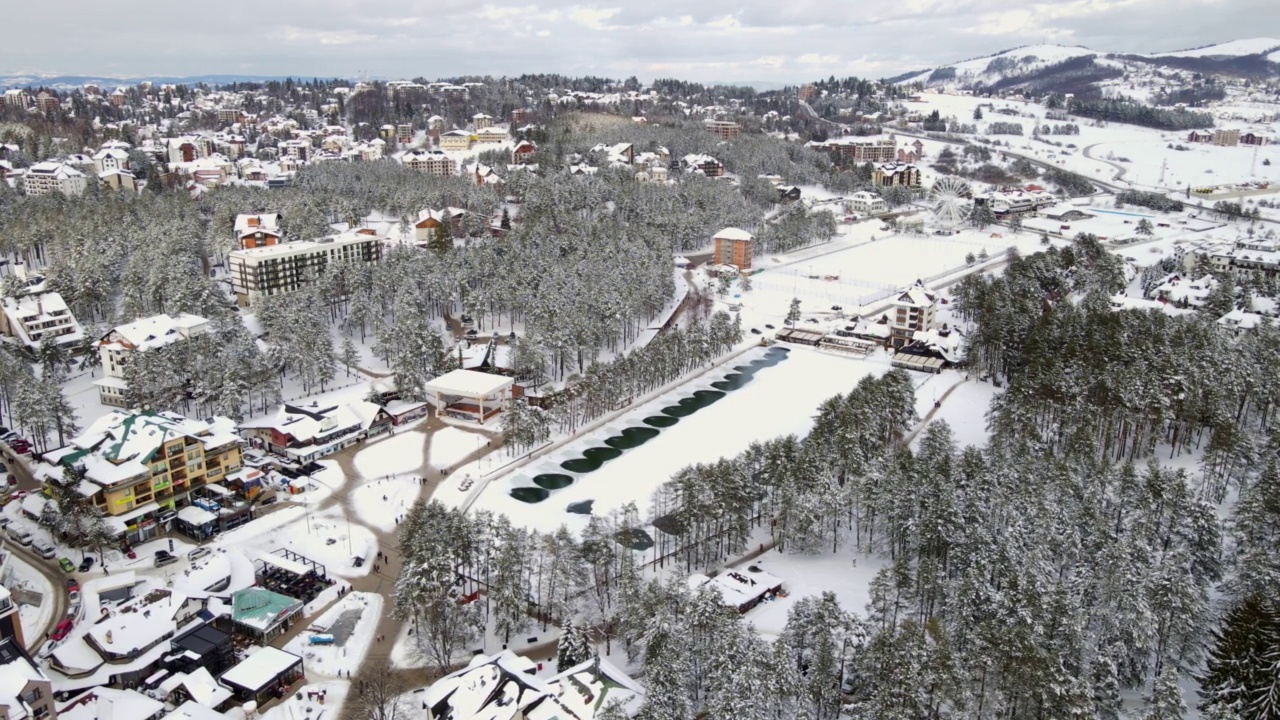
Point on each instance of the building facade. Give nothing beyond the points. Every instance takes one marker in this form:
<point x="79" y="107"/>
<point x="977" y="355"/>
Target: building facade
<point x="48" y="177"/>
<point x="914" y="310"/>
<point x="733" y="246"/>
<point x="136" y="465"/>
<point x="265" y="271"/>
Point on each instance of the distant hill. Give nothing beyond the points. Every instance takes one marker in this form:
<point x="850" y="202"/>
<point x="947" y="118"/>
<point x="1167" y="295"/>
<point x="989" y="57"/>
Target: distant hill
<point x="60" y="82"/>
<point x="1085" y="72"/>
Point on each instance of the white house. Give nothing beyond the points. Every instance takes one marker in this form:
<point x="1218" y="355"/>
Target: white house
<point x="108" y="159"/>
<point x="867" y="203"/>
<point x="118" y="346"/>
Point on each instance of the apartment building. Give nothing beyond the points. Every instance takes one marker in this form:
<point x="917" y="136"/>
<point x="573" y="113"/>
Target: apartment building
<point x="48" y="177"/>
<point x="432" y="162"/>
<point x="276" y="269"/>
<point x="724" y="128"/>
<point x="35" y="316"/>
<point x="891" y="174"/>
<point x="873" y="149"/>
<point x="914" y="310"/>
<point x="481" y="121"/>
<point x="117" y="347"/>
<point x="456" y="140"/>
<point x="136" y="465"/>
<point x="733" y="247"/>
<point x="25" y="691"/>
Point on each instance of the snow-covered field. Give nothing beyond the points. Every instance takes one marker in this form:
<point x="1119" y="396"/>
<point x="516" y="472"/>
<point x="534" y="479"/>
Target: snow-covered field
<point x="399" y="453"/>
<point x="451" y="444"/>
<point x="965" y="410"/>
<point x="847" y="573"/>
<point x="34" y="618"/>
<point x="378" y="503"/>
<point x="779" y="400"/>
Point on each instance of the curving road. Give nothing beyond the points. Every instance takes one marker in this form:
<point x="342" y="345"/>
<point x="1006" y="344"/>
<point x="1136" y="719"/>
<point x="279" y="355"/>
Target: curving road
<point x="1121" y="170"/>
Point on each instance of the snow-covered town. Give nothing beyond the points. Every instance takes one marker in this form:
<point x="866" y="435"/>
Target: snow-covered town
<point x="570" y="398"/>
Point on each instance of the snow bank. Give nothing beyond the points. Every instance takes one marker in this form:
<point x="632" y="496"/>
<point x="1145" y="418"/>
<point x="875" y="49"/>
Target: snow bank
<point x="329" y="660"/>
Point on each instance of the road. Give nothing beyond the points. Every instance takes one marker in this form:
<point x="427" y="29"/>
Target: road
<point x="48" y="568"/>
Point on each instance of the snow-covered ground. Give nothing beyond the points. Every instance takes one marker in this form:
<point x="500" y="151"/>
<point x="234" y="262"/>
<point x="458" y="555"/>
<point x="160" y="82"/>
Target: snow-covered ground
<point x="451" y="444"/>
<point x="315" y="701"/>
<point x="365" y="610"/>
<point x="399" y="453"/>
<point x="965" y="410"/>
<point x="779" y="400"/>
<point x="847" y="573"/>
<point x="378" y="503"/>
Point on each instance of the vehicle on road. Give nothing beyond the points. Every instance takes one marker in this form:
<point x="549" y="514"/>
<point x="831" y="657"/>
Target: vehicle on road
<point x="20" y="536"/>
<point x="198" y="553"/>
<point x="72" y="583"/>
<point x="62" y="630"/>
<point x="44" y="550"/>
<point x="86" y="564"/>
<point x="164" y="557"/>
<point x="755" y="331"/>
<point x="67" y="566"/>
<point x="769" y="326"/>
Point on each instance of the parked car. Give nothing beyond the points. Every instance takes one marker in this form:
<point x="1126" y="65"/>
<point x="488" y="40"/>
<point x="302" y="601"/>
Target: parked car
<point x="86" y="564"/>
<point x="44" y="550"/>
<point x="199" y="553"/>
<point x="755" y="331"/>
<point x="62" y="630"/>
<point x="74" y="596"/>
<point x="166" y="516"/>
<point x="73" y="607"/>
<point x="20" y="536"/>
<point x="269" y="500"/>
<point x="4" y="522"/>
<point x="770" y="327"/>
<point x="67" y="566"/>
<point x="72" y="583"/>
<point x="163" y="557"/>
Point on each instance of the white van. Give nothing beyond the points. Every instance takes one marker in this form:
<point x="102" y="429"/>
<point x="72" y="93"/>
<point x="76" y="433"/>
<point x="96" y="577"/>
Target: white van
<point x="20" y="536"/>
<point x="44" y="549"/>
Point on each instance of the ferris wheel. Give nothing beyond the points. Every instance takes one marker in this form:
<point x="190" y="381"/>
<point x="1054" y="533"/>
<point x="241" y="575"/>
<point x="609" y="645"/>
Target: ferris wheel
<point x="952" y="201"/>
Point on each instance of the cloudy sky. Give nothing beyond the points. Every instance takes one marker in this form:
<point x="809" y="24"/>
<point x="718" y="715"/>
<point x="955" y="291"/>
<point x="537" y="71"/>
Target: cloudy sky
<point x="723" y="40"/>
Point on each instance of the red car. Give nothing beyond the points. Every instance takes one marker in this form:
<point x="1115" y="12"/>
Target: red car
<point x="62" y="630"/>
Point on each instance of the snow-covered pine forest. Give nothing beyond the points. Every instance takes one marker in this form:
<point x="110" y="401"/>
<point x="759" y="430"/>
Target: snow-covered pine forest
<point x="1066" y="570"/>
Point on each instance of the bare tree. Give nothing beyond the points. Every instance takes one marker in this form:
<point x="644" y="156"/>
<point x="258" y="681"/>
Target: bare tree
<point x="377" y="693"/>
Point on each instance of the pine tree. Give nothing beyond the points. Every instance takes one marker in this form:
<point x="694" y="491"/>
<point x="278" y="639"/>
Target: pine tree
<point x="574" y="647"/>
<point x="793" y="314"/>
<point x="977" y="113"/>
<point x="1240" y="670"/>
<point x="1165" y="700"/>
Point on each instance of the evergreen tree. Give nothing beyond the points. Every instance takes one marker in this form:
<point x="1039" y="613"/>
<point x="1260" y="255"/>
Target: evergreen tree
<point x="1165" y="700"/>
<point x="793" y="313"/>
<point x="574" y="646"/>
<point x="1240" y="672"/>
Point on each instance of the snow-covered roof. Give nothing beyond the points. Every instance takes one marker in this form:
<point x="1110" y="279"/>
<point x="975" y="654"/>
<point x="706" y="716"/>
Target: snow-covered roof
<point x="469" y="383"/>
<point x="308" y="423"/>
<point x="739" y="588"/>
<point x="733" y="233"/>
<point x="105" y="703"/>
<point x="155" y="331"/>
<point x="53" y="169"/>
<point x="260" y="668"/>
<point x="916" y="296"/>
<point x="199" y="684"/>
<point x="192" y="710"/>
<point x="118" y="445"/>
<point x="261" y="608"/>
<point x="17" y="671"/>
<point x="139" y="624"/>
<point x="195" y="516"/>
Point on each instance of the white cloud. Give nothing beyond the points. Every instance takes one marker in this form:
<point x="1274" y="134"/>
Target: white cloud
<point x="592" y="17"/>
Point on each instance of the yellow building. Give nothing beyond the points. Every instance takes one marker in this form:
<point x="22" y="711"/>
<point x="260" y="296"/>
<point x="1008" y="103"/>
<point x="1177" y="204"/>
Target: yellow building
<point x="456" y="140"/>
<point x="136" y="466"/>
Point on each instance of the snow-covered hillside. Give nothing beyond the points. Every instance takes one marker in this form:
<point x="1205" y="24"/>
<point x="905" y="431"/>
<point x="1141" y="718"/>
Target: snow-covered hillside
<point x="1047" y="67"/>
<point x="1235" y="48"/>
<point x="1015" y="62"/>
